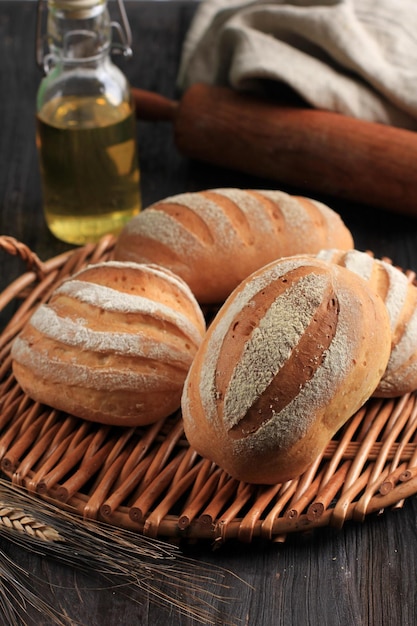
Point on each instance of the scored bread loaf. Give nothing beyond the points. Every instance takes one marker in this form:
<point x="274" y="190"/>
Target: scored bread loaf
<point x="294" y="352"/>
<point x="214" y="239"/>
<point x="400" y="297"/>
<point x="113" y="344"/>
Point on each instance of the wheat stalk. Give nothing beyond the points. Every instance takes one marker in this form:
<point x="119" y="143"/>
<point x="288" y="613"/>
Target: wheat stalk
<point x="20" y="521"/>
<point x="16" y="594"/>
<point x="129" y="561"/>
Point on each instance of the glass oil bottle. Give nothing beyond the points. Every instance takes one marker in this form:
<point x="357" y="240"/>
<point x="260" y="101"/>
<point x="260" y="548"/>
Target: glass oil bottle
<point x="86" y="132"/>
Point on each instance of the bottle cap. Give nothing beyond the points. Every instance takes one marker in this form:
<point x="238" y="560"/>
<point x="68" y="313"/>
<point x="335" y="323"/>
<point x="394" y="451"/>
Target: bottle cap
<point x="78" y="9"/>
<point x="74" y="5"/>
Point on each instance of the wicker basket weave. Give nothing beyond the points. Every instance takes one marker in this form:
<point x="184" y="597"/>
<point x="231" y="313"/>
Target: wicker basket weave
<point x="148" y="479"/>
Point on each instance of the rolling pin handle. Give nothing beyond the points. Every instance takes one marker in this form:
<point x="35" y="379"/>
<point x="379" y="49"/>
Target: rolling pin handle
<point x="152" y="106"/>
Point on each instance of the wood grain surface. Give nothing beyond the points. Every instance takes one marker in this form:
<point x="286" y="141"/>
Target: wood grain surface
<point x="363" y="574"/>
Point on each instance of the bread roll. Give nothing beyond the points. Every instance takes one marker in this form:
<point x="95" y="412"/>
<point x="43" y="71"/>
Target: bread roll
<point x="295" y="350"/>
<point x="400" y="297"/>
<point x="214" y="239"/>
<point x="113" y="344"/>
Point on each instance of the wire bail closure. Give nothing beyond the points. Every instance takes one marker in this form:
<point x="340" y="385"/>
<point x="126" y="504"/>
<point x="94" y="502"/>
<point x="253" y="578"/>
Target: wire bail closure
<point x="123" y="47"/>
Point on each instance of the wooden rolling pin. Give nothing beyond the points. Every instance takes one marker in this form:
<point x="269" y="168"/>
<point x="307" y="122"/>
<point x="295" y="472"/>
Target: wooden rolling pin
<point x="315" y="150"/>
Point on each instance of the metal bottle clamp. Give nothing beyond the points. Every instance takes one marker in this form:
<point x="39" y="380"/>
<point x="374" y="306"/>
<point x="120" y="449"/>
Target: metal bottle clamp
<point x="123" y="47"/>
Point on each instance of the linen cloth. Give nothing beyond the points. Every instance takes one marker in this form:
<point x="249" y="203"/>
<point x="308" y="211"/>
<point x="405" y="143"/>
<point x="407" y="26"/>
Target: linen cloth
<point x="355" y="57"/>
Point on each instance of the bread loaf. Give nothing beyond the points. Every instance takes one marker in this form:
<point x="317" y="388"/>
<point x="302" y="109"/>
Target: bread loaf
<point x="113" y="344"/>
<point x="294" y="351"/>
<point x="400" y="297"/>
<point x="214" y="239"/>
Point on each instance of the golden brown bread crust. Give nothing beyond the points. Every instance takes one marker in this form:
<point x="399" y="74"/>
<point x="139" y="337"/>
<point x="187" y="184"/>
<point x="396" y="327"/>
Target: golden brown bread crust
<point x="214" y="239"/>
<point x="113" y="344"/>
<point x="400" y="297"/>
<point x="295" y="350"/>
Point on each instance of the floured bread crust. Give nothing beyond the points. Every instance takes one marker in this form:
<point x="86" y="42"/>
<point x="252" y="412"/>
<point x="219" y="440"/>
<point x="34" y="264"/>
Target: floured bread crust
<point x="400" y="297"/>
<point x="214" y="239"/>
<point x="113" y="344"/>
<point x="293" y="353"/>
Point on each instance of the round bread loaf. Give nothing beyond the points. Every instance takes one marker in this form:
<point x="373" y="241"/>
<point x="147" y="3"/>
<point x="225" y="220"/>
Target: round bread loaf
<point x="400" y="297"/>
<point x="214" y="239"/>
<point x="294" y="352"/>
<point x="113" y="344"/>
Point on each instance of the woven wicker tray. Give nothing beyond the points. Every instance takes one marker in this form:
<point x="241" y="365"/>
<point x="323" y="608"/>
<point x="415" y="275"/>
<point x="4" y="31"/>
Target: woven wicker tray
<point x="149" y="479"/>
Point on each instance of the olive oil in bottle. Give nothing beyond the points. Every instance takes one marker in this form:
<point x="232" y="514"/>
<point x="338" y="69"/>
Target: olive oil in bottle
<point x="89" y="167"/>
<point x="86" y="133"/>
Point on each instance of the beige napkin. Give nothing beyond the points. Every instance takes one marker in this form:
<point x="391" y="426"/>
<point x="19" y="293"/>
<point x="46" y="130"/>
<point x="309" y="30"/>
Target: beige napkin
<point x="356" y="57"/>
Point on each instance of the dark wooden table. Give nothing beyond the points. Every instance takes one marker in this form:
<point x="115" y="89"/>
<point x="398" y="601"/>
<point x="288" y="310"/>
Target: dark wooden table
<point x="364" y="574"/>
